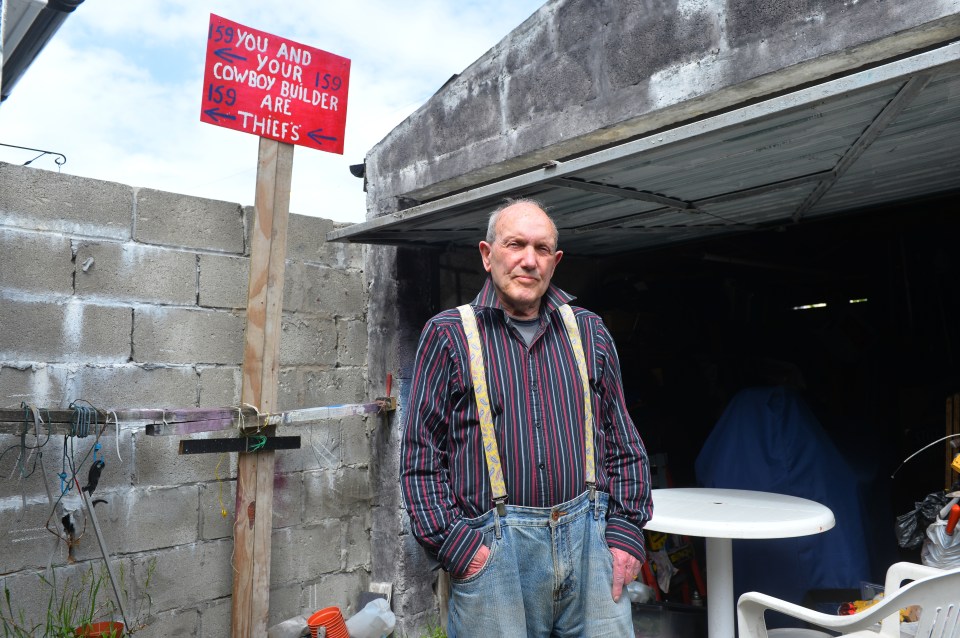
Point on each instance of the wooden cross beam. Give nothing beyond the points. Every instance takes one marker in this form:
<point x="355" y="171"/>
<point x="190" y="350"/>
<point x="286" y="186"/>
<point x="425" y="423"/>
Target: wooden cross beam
<point x="62" y="422"/>
<point x="245" y="421"/>
<point x="180" y="421"/>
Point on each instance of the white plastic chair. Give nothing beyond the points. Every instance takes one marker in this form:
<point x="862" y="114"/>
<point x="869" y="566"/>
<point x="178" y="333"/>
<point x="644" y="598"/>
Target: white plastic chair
<point x="935" y="591"/>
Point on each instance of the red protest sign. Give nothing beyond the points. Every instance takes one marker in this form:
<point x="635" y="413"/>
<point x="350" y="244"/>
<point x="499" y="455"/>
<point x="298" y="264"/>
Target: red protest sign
<point x="273" y="87"/>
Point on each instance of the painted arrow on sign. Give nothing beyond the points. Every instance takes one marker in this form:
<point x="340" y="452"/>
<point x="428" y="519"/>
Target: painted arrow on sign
<point x="316" y="137"/>
<point x="227" y="55"/>
<point x="215" y="113"/>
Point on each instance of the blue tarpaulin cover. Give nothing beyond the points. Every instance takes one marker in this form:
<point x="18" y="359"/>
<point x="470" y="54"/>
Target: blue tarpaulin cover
<point x="768" y="439"/>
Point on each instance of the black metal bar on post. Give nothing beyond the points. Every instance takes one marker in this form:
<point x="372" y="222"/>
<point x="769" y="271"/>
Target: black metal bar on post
<point x="239" y="444"/>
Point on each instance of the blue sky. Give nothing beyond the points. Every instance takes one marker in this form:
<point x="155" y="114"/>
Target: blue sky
<point x="118" y="89"/>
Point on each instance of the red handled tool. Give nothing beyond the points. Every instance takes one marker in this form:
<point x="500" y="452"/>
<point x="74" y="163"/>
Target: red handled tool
<point x="952" y="519"/>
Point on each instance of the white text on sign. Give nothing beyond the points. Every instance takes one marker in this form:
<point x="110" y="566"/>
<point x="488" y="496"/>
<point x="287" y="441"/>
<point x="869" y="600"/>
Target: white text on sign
<point x="273" y="87"/>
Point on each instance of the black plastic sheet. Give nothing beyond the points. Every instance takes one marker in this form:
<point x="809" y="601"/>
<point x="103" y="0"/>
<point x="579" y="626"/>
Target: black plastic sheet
<point x="911" y="528"/>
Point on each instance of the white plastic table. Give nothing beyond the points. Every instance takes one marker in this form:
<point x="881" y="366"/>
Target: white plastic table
<point x="720" y="515"/>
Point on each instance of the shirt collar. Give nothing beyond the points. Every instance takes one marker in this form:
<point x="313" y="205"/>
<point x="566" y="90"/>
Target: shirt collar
<point x="551" y="300"/>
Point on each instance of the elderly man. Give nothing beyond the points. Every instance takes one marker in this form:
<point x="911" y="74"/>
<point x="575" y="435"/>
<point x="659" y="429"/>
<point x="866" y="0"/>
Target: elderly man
<point x="521" y="470"/>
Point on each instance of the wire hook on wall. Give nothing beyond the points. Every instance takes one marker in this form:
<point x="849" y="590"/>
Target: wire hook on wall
<point x="59" y="160"/>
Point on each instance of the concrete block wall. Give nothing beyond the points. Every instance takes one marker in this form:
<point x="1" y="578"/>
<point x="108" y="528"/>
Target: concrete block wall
<point x="130" y="297"/>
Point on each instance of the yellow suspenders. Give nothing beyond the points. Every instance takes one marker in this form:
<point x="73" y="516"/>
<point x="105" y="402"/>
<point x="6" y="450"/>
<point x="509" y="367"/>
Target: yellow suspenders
<point x="573" y="332"/>
<point x="478" y="374"/>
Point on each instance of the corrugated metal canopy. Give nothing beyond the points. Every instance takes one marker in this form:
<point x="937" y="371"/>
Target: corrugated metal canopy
<point x="879" y="136"/>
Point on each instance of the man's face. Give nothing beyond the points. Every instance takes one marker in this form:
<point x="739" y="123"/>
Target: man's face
<point x="522" y="258"/>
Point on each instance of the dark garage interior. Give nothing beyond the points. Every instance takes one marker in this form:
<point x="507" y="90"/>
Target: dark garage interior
<point x="696" y="323"/>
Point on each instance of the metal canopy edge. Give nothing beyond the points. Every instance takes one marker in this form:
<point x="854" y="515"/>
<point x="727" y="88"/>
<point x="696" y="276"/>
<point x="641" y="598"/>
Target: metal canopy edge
<point x="429" y="223"/>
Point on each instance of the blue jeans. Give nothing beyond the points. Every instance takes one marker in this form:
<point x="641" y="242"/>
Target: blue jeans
<point x="549" y="573"/>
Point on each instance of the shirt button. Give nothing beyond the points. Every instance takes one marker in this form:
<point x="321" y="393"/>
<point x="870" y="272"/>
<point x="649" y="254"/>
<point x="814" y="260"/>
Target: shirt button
<point x="541" y="466"/>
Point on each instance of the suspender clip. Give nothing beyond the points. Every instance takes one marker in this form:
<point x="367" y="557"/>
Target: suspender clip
<point x="592" y="487"/>
<point x="501" y="505"/>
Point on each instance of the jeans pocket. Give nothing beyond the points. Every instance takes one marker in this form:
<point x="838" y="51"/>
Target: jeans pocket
<point x="491" y="543"/>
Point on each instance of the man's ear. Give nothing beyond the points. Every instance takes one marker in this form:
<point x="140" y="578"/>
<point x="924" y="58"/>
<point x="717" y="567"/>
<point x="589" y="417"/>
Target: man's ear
<point x="557" y="256"/>
<point x="485" y="249"/>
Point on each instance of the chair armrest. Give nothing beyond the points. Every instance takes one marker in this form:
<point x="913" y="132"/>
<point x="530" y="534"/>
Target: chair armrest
<point x="896" y="574"/>
<point x="752" y="605"/>
<point x="899" y="572"/>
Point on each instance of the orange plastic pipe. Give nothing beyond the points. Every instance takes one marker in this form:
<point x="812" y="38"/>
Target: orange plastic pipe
<point x="952" y="519"/>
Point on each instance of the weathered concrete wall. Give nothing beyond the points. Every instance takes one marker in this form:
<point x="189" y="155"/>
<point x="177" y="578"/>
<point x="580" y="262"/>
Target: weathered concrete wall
<point x="580" y="74"/>
<point x="402" y="298"/>
<point x="129" y="298"/>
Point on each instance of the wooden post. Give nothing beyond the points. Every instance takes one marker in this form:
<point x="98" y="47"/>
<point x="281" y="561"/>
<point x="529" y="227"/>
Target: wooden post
<point x="253" y="525"/>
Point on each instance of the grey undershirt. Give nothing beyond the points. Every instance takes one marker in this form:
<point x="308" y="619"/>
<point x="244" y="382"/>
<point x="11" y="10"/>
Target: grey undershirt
<point x="526" y="327"/>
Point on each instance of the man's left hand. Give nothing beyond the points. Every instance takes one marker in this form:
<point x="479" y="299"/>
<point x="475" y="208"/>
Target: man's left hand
<point x="625" y="570"/>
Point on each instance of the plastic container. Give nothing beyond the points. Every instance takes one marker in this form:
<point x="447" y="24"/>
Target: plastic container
<point x="331" y="620"/>
<point x="639" y="592"/>
<point x="375" y="620"/>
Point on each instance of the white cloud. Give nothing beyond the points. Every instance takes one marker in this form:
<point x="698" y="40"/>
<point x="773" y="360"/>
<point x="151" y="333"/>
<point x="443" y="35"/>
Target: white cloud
<point x="118" y="89"/>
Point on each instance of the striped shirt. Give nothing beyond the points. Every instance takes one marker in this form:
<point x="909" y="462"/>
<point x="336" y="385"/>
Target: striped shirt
<point x="537" y="404"/>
